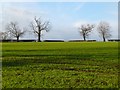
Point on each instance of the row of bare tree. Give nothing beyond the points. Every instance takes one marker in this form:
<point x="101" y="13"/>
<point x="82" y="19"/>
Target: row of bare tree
<point x="14" y="30"/>
<point x="103" y="29"/>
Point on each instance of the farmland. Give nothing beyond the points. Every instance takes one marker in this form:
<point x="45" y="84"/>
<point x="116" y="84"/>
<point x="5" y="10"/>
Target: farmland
<point x="60" y="65"/>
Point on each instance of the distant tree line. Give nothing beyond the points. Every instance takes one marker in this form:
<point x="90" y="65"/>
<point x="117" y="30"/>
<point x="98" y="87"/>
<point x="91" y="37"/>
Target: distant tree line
<point x="37" y="26"/>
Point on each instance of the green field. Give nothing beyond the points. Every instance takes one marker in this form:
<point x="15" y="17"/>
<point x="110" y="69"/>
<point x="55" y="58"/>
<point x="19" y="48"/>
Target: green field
<point x="60" y="65"/>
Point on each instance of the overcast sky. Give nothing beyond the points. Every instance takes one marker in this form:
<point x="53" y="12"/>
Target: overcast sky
<point x="65" y="17"/>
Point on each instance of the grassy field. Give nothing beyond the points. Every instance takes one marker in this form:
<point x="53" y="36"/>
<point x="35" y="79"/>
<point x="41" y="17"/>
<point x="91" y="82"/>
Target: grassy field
<point x="60" y="65"/>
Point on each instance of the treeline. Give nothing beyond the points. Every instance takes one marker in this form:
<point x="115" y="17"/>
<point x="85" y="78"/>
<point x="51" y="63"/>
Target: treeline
<point x="13" y="30"/>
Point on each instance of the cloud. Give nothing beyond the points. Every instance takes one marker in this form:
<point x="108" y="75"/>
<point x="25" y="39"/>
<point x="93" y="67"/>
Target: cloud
<point x="23" y="15"/>
<point x="62" y="33"/>
<point x="0" y="17"/>
<point x="114" y="29"/>
<point x="77" y="8"/>
<point x="114" y="13"/>
<point x="77" y="24"/>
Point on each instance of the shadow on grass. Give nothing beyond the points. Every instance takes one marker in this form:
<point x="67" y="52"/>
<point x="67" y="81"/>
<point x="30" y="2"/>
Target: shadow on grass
<point x="44" y="59"/>
<point x="56" y="59"/>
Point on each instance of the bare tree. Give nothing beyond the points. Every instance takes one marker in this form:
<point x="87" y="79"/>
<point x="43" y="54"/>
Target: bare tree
<point x="3" y="35"/>
<point x="104" y="30"/>
<point x="38" y="26"/>
<point x="85" y="30"/>
<point x="14" y="30"/>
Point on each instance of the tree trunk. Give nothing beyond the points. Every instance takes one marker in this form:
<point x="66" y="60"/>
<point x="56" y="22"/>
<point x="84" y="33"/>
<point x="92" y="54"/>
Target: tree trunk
<point x="84" y="37"/>
<point x="17" y="38"/>
<point x="104" y="39"/>
<point x="39" y="36"/>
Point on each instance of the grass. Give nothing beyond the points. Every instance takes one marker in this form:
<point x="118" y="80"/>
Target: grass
<point x="60" y="65"/>
<point x="0" y="65"/>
